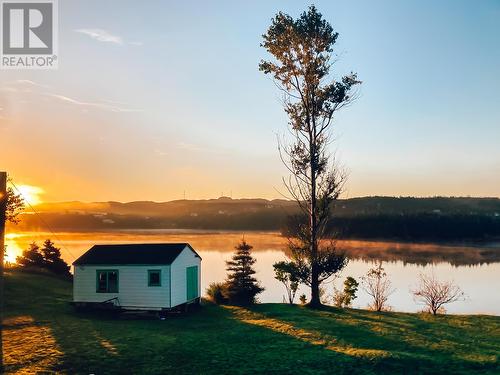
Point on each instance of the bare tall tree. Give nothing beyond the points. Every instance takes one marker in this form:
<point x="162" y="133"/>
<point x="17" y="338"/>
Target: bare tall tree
<point x="434" y="294"/>
<point x="303" y="51"/>
<point x="378" y="286"/>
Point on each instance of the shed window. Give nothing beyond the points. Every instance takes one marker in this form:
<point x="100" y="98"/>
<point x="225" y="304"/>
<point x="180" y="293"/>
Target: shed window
<point x="154" y="278"/>
<point x="107" y="281"/>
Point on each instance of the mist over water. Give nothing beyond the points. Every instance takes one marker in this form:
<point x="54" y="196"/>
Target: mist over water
<point x="476" y="269"/>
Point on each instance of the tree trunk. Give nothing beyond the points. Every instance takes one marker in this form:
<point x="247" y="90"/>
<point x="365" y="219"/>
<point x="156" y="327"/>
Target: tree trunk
<point x="3" y="206"/>
<point x="315" y="300"/>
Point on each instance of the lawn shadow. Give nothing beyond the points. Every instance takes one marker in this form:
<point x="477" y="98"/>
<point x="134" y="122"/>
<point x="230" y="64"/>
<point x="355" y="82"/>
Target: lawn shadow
<point x="270" y="338"/>
<point x="406" y="340"/>
<point x="41" y="333"/>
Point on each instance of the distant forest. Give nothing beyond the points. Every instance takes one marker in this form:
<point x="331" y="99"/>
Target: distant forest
<point x="403" y="218"/>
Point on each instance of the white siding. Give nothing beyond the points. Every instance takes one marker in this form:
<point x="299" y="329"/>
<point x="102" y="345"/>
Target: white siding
<point x="179" y="283"/>
<point x="133" y="289"/>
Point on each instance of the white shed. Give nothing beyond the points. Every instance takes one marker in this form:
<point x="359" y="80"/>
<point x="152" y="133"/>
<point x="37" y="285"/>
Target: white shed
<point x="138" y="276"/>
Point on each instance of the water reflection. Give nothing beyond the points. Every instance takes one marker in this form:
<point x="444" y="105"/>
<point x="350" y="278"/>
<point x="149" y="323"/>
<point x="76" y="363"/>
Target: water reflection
<point x="422" y="253"/>
<point x="476" y="281"/>
<point x="475" y="268"/>
<point x="74" y="244"/>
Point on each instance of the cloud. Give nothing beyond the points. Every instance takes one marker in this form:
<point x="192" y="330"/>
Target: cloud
<point x="105" y="36"/>
<point x="22" y="86"/>
<point x="101" y="105"/>
<point x="27" y="82"/>
<point x="101" y="35"/>
<point x="28" y="86"/>
<point x="195" y="148"/>
<point x="8" y="89"/>
<point x="160" y="152"/>
<point x="189" y="147"/>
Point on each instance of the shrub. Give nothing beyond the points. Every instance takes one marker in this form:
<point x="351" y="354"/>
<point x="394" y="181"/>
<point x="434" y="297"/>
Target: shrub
<point x="377" y="284"/>
<point x="286" y="273"/>
<point x="434" y="293"/>
<point x="216" y="293"/>
<point x="344" y="298"/>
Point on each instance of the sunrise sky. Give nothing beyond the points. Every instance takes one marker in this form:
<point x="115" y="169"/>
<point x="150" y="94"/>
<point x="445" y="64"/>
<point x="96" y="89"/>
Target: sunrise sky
<point x="155" y="98"/>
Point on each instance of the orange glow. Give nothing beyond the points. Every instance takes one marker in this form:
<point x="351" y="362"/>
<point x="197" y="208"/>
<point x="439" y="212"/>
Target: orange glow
<point x="31" y="194"/>
<point x="13" y="251"/>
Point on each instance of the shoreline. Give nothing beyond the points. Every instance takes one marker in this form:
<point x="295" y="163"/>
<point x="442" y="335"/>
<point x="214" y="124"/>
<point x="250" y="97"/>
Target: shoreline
<point x="493" y="243"/>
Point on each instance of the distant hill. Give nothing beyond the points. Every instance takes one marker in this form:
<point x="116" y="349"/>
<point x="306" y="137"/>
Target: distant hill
<point x="368" y="217"/>
<point x="352" y="206"/>
<point x="223" y="205"/>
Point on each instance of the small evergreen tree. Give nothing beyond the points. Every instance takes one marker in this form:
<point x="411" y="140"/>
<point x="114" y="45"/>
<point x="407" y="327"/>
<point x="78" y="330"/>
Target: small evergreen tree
<point x="32" y="257"/>
<point x="52" y="259"/>
<point x="241" y="286"/>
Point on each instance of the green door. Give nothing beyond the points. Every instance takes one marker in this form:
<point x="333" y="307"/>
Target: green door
<point x="192" y="282"/>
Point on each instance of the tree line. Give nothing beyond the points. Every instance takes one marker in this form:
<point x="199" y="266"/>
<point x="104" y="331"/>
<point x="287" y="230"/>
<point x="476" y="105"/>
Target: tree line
<point x="46" y="257"/>
<point x="407" y="227"/>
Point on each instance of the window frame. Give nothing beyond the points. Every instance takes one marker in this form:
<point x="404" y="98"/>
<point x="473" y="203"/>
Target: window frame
<point x="149" y="278"/>
<point x="107" y="271"/>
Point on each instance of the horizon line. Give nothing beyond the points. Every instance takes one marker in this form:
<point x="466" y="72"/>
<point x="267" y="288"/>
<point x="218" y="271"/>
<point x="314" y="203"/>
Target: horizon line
<point x="273" y="199"/>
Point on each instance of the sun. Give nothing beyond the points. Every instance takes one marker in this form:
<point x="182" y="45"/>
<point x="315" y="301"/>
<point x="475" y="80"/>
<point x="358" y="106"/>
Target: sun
<point x="31" y="194"/>
<point x="13" y="250"/>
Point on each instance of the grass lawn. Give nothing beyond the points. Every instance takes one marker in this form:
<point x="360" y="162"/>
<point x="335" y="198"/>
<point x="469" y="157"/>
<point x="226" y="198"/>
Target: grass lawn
<point x="42" y="333"/>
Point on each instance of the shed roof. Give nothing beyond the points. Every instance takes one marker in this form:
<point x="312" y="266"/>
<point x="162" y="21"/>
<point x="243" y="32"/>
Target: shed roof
<point x="150" y="253"/>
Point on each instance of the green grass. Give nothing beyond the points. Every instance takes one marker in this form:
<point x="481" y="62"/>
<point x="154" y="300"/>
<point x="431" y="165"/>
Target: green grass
<point x="42" y="333"/>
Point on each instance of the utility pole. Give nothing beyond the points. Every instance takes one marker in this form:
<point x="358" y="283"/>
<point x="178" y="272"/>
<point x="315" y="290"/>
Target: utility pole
<point x="3" y="209"/>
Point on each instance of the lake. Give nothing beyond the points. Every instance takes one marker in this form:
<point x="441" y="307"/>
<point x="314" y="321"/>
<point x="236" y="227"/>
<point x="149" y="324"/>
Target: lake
<point x="475" y="268"/>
